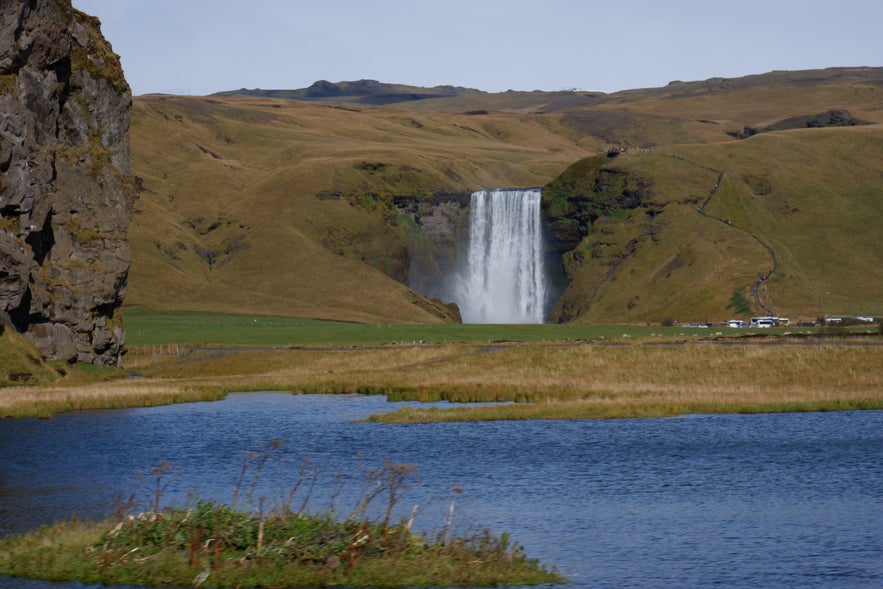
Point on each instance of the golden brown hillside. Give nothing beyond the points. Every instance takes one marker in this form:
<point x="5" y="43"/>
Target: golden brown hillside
<point x="283" y="207"/>
<point x="316" y="209"/>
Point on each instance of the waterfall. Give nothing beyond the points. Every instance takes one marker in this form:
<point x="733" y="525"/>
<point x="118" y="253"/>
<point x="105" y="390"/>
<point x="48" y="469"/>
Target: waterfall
<point x="505" y="279"/>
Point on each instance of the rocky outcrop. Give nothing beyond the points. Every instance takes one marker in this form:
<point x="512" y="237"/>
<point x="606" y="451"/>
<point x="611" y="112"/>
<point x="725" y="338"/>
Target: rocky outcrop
<point x="831" y="118"/>
<point x="65" y="181"/>
<point x="586" y="191"/>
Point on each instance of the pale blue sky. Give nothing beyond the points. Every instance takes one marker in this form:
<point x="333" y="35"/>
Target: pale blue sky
<point x="204" y="46"/>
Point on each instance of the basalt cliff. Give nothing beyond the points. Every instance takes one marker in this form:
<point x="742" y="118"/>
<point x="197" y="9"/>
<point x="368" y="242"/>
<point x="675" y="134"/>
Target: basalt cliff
<point x="66" y="191"/>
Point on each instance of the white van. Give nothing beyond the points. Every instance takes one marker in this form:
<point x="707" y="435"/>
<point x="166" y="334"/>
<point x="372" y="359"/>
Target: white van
<point x="762" y="322"/>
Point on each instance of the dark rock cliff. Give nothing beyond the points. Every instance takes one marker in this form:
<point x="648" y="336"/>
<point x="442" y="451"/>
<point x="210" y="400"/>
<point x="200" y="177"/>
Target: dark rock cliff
<point x="65" y="182"/>
<point x="584" y="192"/>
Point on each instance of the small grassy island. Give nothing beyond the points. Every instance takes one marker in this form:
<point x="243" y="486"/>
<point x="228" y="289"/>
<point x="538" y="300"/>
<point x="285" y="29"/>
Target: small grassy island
<point x="214" y="546"/>
<point x="211" y="544"/>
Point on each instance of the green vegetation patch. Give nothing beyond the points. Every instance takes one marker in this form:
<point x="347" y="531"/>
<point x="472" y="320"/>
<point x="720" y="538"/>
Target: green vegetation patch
<point x="739" y="304"/>
<point x="182" y="327"/>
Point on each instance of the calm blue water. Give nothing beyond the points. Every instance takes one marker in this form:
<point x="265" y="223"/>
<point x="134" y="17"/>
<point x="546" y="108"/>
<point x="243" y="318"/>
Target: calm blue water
<point x="782" y="500"/>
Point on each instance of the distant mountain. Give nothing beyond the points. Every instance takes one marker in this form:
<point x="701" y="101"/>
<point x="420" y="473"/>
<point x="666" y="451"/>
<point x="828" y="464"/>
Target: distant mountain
<point x="372" y="92"/>
<point x="369" y="92"/>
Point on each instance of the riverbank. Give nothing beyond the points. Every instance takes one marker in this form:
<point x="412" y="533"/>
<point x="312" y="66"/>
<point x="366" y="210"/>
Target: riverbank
<point x="543" y="380"/>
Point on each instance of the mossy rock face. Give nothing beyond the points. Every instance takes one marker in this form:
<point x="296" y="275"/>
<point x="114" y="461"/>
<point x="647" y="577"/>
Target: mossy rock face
<point x="66" y="182"/>
<point x="587" y="191"/>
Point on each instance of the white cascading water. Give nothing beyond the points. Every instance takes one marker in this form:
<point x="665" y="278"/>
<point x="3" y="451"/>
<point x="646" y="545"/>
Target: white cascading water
<point x="505" y="279"/>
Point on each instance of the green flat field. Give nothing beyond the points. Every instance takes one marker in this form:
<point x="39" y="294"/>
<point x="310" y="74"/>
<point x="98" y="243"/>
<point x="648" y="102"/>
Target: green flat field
<point x="194" y="328"/>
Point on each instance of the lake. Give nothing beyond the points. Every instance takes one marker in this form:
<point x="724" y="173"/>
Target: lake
<point x="776" y="500"/>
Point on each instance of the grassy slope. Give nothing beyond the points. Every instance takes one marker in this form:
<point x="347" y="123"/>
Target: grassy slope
<point x="821" y="216"/>
<point x="239" y="178"/>
<point x="20" y="361"/>
<point x="242" y="175"/>
<point x="814" y="196"/>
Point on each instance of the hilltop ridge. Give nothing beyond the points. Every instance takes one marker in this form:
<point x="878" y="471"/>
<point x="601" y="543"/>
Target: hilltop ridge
<point x="373" y="92"/>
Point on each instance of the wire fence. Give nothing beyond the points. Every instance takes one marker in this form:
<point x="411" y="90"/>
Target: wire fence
<point x="156" y="351"/>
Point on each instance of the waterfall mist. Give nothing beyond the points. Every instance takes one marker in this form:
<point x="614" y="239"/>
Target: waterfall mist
<point x="505" y="278"/>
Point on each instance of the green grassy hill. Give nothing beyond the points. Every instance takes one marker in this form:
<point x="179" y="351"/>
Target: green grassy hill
<point x="311" y="209"/>
<point x="801" y="208"/>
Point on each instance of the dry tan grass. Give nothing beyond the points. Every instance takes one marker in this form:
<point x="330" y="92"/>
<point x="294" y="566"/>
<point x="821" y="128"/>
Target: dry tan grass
<point x="586" y="380"/>
<point x="44" y="401"/>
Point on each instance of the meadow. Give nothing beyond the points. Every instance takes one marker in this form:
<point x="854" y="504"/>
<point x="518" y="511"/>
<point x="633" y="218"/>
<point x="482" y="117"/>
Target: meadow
<point x="538" y="372"/>
<point x="163" y="328"/>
